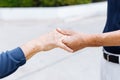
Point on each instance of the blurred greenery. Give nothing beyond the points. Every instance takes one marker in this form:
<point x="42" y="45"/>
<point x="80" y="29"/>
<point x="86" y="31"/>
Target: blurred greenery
<point x="42" y="3"/>
<point x="62" y="2"/>
<point x="16" y="3"/>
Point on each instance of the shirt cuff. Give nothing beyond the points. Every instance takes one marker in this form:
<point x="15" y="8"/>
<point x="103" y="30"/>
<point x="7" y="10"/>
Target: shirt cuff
<point x="18" y="56"/>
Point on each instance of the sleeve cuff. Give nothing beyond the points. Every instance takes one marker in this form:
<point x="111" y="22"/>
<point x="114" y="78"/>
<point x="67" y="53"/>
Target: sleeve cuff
<point x="18" y="56"/>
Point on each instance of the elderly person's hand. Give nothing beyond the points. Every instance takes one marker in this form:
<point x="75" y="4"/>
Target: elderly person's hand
<point x="51" y="40"/>
<point x="11" y="60"/>
<point x="44" y="43"/>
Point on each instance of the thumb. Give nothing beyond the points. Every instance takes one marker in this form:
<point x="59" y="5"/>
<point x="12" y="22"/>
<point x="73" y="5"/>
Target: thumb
<point x="64" y="32"/>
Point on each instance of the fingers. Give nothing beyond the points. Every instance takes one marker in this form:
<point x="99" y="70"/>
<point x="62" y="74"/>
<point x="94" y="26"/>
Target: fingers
<point x="64" y="32"/>
<point x="63" y="46"/>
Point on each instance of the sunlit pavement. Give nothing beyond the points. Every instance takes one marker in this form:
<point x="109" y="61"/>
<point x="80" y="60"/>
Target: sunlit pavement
<point x="56" y="64"/>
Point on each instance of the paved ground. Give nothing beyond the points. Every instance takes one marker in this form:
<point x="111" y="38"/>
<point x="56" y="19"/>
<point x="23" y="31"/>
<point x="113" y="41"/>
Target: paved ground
<point x="56" y="64"/>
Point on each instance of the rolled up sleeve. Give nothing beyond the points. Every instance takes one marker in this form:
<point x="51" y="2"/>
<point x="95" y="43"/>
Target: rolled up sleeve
<point x="10" y="61"/>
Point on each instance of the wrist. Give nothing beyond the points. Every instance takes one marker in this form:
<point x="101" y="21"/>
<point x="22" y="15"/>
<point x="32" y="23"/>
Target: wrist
<point x="31" y="48"/>
<point x="94" y="40"/>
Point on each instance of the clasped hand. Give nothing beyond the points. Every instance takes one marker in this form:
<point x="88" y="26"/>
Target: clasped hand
<point x="68" y="40"/>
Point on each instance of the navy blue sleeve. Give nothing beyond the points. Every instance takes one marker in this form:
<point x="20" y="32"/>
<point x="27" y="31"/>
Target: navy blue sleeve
<point x="10" y="61"/>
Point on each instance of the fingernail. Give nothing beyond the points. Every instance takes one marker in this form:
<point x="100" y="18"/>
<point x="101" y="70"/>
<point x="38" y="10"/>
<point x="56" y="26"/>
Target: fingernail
<point x="71" y="51"/>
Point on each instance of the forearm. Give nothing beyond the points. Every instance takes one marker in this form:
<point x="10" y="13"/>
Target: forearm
<point x="31" y="48"/>
<point x="10" y="61"/>
<point x="105" y="39"/>
<point x="45" y="42"/>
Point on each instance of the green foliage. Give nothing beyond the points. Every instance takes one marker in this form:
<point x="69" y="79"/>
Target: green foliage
<point x="16" y="3"/>
<point x="44" y="3"/>
<point x="26" y="3"/>
<point x="62" y="2"/>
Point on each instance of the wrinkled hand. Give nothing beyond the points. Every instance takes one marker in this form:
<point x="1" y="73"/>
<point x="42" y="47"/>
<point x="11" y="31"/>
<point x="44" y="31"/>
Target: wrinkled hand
<point x="74" y="40"/>
<point x="52" y="40"/>
<point x="44" y="43"/>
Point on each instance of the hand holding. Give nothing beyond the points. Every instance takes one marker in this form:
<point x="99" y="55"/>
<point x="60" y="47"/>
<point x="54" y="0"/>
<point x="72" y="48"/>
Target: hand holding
<point x="45" y="42"/>
<point x="52" y="40"/>
<point x="75" y="40"/>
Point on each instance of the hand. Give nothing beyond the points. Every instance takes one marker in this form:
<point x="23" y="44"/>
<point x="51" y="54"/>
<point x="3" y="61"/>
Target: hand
<point x="75" y="40"/>
<point x="44" y="43"/>
<point x="52" y="40"/>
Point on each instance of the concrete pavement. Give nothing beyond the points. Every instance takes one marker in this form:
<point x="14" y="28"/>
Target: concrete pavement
<point x="65" y="12"/>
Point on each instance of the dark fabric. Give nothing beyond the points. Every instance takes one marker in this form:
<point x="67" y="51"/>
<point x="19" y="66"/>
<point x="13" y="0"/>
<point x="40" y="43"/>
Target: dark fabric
<point x="10" y="61"/>
<point x="111" y="58"/>
<point x="113" y="22"/>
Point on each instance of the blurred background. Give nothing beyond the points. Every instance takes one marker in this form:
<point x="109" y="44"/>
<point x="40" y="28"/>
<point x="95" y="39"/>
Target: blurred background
<point x="23" y="20"/>
<point x="43" y="3"/>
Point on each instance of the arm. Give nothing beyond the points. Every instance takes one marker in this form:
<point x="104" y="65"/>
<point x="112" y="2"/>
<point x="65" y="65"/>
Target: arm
<point x="44" y="43"/>
<point x="106" y="39"/>
<point x="90" y="40"/>
<point x="10" y="61"/>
